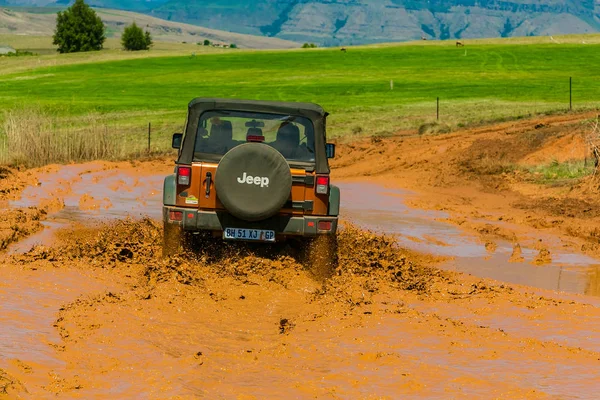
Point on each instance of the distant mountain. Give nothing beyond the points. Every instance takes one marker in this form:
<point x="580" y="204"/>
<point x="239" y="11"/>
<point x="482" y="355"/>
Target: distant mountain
<point x="333" y="22"/>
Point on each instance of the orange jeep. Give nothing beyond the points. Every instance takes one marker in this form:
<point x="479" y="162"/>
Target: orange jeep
<point x="251" y="171"/>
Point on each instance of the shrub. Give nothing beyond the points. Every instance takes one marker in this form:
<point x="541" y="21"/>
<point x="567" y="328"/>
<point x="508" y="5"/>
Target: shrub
<point x="19" y="53"/>
<point x="134" y="38"/>
<point x="206" y="42"/>
<point x="78" y="28"/>
<point x="309" y="46"/>
<point x="434" y="128"/>
<point x="233" y="46"/>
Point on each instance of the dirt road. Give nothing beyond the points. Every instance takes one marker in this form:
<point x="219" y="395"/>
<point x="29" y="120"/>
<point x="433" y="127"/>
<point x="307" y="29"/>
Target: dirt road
<point x="95" y="312"/>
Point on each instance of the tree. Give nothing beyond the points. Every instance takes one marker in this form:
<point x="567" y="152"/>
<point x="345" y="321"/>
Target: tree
<point x="134" y="38"/>
<point x="206" y="42"/>
<point x="233" y="46"/>
<point x="149" y="41"/>
<point x="78" y="28"/>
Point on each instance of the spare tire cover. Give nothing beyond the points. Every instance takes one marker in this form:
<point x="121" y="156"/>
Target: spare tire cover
<point x="253" y="181"/>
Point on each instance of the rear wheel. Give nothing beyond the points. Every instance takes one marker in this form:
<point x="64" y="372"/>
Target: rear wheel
<point x="320" y="256"/>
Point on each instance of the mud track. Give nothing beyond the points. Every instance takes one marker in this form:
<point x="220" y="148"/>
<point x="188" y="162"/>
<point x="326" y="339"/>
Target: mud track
<point x="90" y="309"/>
<point x="385" y="323"/>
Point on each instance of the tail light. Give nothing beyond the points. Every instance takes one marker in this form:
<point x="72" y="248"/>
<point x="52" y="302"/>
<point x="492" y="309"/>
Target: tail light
<point x="324" y="225"/>
<point x="184" y="175"/>
<point x="255" y="138"/>
<point x="175" y="215"/>
<point x="322" y="185"/>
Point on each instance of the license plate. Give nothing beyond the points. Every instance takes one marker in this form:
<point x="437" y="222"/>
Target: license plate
<point x="258" y="235"/>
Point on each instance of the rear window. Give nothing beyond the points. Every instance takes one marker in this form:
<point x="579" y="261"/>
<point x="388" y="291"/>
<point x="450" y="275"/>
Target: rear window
<point x="220" y="131"/>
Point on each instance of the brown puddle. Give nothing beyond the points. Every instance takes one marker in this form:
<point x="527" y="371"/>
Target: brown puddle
<point x="95" y="192"/>
<point x="384" y="210"/>
<point x="28" y="338"/>
<point x="92" y="192"/>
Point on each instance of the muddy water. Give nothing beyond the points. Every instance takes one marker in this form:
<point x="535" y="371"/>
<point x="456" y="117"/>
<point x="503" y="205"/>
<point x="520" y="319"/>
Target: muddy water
<point x="91" y="192"/>
<point x="28" y="304"/>
<point x="384" y="210"/>
<point x="151" y="353"/>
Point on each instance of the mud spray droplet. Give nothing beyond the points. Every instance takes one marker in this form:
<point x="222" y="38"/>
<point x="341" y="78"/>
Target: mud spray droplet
<point x="491" y="247"/>
<point x="516" y="256"/>
<point x="544" y="257"/>
<point x="285" y="326"/>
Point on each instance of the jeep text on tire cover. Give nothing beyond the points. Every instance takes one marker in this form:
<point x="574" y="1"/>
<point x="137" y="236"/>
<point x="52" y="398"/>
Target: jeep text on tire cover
<point x="254" y="180"/>
<point x="259" y="169"/>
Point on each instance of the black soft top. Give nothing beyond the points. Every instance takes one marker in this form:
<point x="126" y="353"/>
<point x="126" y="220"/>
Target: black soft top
<point x="278" y="107"/>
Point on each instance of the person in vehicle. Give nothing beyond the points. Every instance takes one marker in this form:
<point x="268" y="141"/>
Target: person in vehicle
<point x="220" y="140"/>
<point x="287" y="141"/>
<point x="288" y="144"/>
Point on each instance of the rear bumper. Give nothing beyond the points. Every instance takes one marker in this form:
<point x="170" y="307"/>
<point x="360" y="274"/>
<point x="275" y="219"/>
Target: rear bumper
<point x="283" y="225"/>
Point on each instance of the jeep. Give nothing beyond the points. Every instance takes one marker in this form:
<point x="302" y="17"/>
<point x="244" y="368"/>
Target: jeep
<point x="253" y="171"/>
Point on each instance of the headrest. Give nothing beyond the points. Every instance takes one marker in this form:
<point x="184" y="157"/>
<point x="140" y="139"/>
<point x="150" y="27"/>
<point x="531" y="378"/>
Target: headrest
<point x="289" y="132"/>
<point x="222" y="131"/>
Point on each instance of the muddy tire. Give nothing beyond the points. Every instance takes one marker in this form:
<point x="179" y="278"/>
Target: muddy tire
<point x="320" y="256"/>
<point x="253" y="181"/>
<point x="172" y="239"/>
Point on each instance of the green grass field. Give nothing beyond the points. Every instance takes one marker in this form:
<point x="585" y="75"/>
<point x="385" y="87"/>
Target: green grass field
<point x="476" y="83"/>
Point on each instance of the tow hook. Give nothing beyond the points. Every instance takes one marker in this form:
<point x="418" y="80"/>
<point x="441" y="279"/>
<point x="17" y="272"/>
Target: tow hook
<point x="207" y="181"/>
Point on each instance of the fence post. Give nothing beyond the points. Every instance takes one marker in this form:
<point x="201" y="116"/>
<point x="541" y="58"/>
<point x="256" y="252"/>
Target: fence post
<point x="437" y="112"/>
<point x="149" y="130"/>
<point x="571" y="93"/>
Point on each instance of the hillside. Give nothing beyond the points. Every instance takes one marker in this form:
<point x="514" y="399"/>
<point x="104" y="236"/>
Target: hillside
<point x="41" y="22"/>
<point x="333" y="22"/>
<point x="368" y="21"/>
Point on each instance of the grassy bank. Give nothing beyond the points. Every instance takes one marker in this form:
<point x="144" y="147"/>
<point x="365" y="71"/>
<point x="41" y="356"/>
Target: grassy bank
<point x="32" y="138"/>
<point x="479" y="82"/>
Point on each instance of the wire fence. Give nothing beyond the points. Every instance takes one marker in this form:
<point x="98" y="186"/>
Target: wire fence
<point x="33" y="137"/>
<point x="416" y="105"/>
<point x="553" y="95"/>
